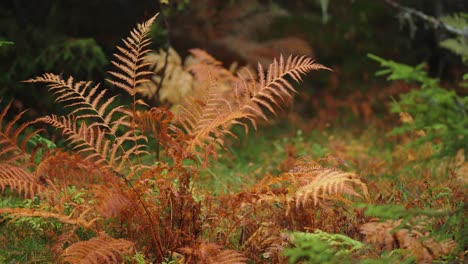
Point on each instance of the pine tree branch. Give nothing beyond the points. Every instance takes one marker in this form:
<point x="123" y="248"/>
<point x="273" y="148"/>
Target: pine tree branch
<point x="432" y="20"/>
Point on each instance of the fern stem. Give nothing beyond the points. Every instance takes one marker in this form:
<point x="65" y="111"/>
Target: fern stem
<point x="156" y="239"/>
<point x="166" y="58"/>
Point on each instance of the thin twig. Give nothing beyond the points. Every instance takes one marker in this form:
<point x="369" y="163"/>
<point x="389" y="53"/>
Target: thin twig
<point x="166" y="50"/>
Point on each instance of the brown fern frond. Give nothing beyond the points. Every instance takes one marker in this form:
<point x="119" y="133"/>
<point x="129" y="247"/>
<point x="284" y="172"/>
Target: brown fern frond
<point x="314" y="182"/>
<point x="131" y="59"/>
<point x="13" y="153"/>
<point x="92" y="143"/>
<point x="153" y="120"/>
<point x="207" y="68"/>
<point x="272" y="88"/>
<point x="379" y="234"/>
<point x="209" y="120"/>
<point x="20" y="181"/>
<point x="268" y="239"/>
<point x="103" y="122"/>
<point x="388" y="235"/>
<point x="67" y="237"/>
<point x="101" y="249"/>
<point x="308" y="183"/>
<point x="85" y="99"/>
<point x="76" y="219"/>
<point x="112" y="200"/>
<point x="211" y="253"/>
<point x="13" y="150"/>
<point x="66" y="169"/>
<point x="328" y="182"/>
<point x="229" y="256"/>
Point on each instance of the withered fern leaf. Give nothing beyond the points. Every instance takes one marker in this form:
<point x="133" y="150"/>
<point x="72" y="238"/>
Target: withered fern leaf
<point x="92" y="123"/>
<point x="82" y="97"/>
<point x="82" y="219"/>
<point x="15" y="161"/>
<point x="389" y="235"/>
<point x="67" y="237"/>
<point x="272" y="88"/>
<point x="208" y="121"/>
<point x="328" y="182"/>
<point x="209" y="118"/>
<point x="97" y="250"/>
<point x="12" y="150"/>
<point x="130" y="61"/>
<point x="92" y="143"/>
<point x="212" y="253"/>
<point x="314" y="181"/>
<point x="19" y="181"/>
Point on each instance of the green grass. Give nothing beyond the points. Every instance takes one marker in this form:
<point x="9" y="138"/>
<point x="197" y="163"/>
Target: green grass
<point x="252" y="157"/>
<point x="364" y="149"/>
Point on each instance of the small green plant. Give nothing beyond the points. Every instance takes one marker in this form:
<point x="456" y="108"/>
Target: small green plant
<point x="435" y="114"/>
<point x="5" y="43"/>
<point x="459" y="44"/>
<point x="321" y="247"/>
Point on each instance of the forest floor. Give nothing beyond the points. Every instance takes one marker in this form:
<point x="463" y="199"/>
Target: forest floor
<point x="396" y="175"/>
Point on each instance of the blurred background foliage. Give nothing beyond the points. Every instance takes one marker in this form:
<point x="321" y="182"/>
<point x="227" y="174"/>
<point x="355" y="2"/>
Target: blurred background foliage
<point x="78" y="38"/>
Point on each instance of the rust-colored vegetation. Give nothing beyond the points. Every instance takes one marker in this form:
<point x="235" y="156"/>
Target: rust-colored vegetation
<point x="126" y="184"/>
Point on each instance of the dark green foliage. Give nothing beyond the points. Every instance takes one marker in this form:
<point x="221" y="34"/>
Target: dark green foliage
<point x="321" y="247"/>
<point x="5" y="43"/>
<point x="81" y="55"/>
<point x="458" y="45"/>
<point x="439" y="113"/>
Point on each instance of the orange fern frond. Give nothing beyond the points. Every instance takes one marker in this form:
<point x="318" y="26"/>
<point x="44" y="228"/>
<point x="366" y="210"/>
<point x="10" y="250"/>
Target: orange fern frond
<point x="66" y="169"/>
<point x="73" y="219"/>
<point x="207" y="68"/>
<point x="209" y="120"/>
<point x="111" y="200"/>
<point x="131" y="59"/>
<point x="92" y="143"/>
<point x="85" y="99"/>
<point x="229" y="256"/>
<point x="308" y="182"/>
<point x="101" y="249"/>
<point x="13" y="150"/>
<point x="67" y="237"/>
<point x="13" y="154"/>
<point x="211" y="253"/>
<point x="272" y="88"/>
<point x="388" y="235"/>
<point x="327" y="182"/>
<point x="155" y="120"/>
<point x="20" y="181"/>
